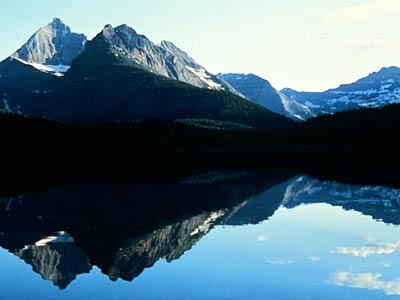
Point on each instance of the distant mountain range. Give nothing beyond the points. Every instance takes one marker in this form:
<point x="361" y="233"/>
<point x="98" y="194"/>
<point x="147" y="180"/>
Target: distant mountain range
<point x="262" y="92"/>
<point x="375" y="90"/>
<point x="118" y="76"/>
<point x="380" y="202"/>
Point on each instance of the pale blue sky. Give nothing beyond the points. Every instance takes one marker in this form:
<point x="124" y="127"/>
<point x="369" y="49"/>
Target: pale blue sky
<point x="302" y="44"/>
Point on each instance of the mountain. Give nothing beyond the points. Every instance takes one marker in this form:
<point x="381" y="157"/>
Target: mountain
<point x="169" y="243"/>
<point x="380" y="202"/>
<point x="56" y="258"/>
<point x="165" y="59"/>
<point x="121" y="228"/>
<point x="19" y="82"/>
<point x="115" y="80"/>
<point x="375" y="90"/>
<point x="263" y="93"/>
<point x="52" y="48"/>
<point x="124" y="229"/>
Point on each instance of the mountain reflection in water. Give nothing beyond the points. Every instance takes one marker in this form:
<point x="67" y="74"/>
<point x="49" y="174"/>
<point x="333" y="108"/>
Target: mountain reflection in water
<point x="123" y="229"/>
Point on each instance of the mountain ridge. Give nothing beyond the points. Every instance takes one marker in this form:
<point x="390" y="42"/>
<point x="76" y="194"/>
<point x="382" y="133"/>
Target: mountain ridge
<point x="261" y="91"/>
<point x="372" y="91"/>
<point x="109" y="82"/>
<point x="165" y="59"/>
<point x="54" y="48"/>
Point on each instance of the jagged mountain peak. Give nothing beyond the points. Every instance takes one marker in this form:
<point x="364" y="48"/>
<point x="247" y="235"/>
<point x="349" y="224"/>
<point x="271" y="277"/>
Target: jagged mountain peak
<point x="108" y="28"/>
<point x="126" y="29"/>
<point x="54" y="44"/>
<point x="165" y="59"/>
<point x="57" y="23"/>
<point x="125" y="36"/>
<point x="53" y="49"/>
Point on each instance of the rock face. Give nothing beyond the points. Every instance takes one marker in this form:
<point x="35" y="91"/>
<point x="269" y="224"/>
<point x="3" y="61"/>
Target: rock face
<point x="56" y="258"/>
<point x="53" y="48"/>
<point x="54" y="44"/>
<point x="165" y="59"/>
<point x="376" y="90"/>
<point x="168" y="243"/>
<point x="263" y="93"/>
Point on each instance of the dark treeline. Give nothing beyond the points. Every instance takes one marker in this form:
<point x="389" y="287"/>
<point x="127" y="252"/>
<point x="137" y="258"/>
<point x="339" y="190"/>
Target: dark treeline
<point x="39" y="152"/>
<point x="367" y="130"/>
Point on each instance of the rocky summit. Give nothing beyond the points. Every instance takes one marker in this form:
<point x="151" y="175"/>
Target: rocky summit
<point x="54" y="44"/>
<point x="164" y="59"/>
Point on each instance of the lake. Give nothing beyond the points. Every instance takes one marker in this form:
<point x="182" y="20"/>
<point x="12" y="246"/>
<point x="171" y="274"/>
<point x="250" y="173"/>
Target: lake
<point x="219" y="235"/>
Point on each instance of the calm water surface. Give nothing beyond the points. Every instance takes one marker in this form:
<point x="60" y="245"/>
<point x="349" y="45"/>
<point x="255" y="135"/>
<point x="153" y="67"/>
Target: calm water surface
<point x="253" y="237"/>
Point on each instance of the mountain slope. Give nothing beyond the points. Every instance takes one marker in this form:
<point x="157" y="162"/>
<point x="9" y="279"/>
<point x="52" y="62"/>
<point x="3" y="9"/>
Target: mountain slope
<point x="375" y="90"/>
<point x="105" y="84"/>
<point x="52" y="45"/>
<point x="22" y="83"/>
<point x="263" y="93"/>
<point x="165" y="59"/>
<point x="56" y="258"/>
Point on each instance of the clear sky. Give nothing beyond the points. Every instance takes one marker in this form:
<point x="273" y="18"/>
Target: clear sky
<point x="303" y="44"/>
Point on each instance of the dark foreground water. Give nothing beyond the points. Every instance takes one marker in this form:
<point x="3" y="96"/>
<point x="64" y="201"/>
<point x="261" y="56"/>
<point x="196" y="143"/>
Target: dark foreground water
<point x="215" y="236"/>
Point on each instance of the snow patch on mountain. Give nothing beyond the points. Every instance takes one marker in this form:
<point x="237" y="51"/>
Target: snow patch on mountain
<point x="202" y="74"/>
<point x="54" y="44"/>
<point x="58" y="71"/>
<point x="295" y="109"/>
<point x="164" y="59"/>
<point x="59" y="237"/>
<point x="311" y="105"/>
<point x="376" y="90"/>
